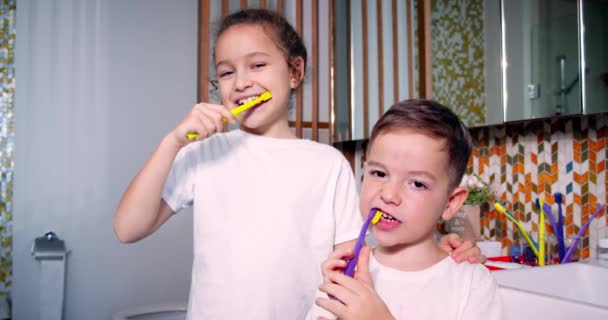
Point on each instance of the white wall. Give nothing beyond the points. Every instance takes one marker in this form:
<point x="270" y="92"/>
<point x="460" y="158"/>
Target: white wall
<point x="99" y="82"/>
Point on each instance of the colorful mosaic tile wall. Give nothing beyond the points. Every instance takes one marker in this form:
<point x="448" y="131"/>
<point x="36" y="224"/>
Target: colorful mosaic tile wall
<point x="538" y="159"/>
<point x="457" y="29"/>
<point x="7" y="90"/>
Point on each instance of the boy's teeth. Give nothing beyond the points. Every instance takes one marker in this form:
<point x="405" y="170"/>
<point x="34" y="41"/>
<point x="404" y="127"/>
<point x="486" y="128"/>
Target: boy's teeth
<point x="388" y="217"/>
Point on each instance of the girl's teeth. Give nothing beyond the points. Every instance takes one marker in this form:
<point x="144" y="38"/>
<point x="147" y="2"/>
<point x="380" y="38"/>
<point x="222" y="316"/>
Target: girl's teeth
<point x="243" y="101"/>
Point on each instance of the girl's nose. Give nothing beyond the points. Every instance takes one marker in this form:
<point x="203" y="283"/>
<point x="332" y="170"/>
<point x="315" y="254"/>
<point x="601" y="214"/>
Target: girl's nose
<point x="243" y="81"/>
<point x="391" y="194"/>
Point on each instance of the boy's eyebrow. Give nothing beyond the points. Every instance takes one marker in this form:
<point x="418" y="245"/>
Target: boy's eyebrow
<point x="423" y="173"/>
<point x="374" y="163"/>
<point x="249" y="55"/>
<point x="418" y="173"/>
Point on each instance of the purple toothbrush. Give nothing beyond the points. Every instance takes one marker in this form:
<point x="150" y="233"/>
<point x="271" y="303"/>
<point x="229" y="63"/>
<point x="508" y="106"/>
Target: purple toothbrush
<point x="555" y="225"/>
<point x="580" y="234"/>
<point x="373" y="217"/>
<point x="559" y="198"/>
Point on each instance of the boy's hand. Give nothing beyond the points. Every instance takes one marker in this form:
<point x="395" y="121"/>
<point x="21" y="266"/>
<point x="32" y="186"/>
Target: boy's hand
<point x="461" y="250"/>
<point x="336" y="261"/>
<point x="355" y="297"/>
<point x="204" y="119"/>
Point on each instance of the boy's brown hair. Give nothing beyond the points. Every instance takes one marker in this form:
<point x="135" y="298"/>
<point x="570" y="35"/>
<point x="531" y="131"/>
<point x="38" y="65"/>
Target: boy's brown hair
<point x="435" y="120"/>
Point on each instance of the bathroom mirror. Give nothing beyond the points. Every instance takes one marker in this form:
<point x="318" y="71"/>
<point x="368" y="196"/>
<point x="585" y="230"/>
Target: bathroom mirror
<point x="492" y="60"/>
<point x="547" y="45"/>
<point x="376" y="53"/>
<point x="542" y="60"/>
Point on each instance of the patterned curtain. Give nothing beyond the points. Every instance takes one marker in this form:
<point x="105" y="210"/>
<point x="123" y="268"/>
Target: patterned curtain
<point x="7" y="104"/>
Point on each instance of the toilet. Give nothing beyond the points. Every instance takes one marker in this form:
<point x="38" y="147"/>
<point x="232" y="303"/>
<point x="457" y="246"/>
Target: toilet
<point x="170" y="311"/>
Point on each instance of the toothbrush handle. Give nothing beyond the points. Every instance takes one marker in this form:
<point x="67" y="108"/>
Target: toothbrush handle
<point x="352" y="263"/>
<point x="580" y="234"/>
<point x="560" y="233"/>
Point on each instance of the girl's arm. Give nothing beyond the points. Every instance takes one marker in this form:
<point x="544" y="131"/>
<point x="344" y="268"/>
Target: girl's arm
<point x="141" y="209"/>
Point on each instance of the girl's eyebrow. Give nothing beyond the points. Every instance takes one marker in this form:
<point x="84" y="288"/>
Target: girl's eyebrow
<point x="249" y="55"/>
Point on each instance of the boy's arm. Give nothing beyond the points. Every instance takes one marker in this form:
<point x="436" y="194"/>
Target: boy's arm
<point x="141" y="209"/>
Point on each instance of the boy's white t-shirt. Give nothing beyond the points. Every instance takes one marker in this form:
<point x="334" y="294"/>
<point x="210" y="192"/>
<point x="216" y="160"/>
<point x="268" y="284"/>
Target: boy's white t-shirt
<point x="446" y="290"/>
<point x="267" y="212"/>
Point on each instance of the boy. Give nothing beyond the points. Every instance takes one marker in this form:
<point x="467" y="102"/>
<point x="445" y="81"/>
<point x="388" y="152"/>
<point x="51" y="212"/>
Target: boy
<point x="416" y="157"/>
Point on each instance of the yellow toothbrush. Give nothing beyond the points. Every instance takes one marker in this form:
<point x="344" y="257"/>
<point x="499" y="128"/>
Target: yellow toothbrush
<point x="541" y="235"/>
<point x="238" y="110"/>
<point x="503" y="210"/>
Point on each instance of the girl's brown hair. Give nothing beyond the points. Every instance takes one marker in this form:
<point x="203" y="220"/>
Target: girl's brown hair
<point x="276" y="27"/>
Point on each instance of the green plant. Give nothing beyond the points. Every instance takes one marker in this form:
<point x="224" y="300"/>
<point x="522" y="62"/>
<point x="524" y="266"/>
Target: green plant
<point x="480" y="191"/>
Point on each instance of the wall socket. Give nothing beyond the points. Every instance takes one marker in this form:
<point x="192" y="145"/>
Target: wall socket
<point x="533" y="91"/>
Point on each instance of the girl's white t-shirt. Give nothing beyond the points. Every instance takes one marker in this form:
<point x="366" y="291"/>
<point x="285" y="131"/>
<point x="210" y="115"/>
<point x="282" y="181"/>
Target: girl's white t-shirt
<point x="267" y="212"/>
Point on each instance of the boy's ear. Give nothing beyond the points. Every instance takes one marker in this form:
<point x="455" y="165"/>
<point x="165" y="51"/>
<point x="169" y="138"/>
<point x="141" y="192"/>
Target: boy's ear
<point x="457" y="198"/>
<point x="297" y="72"/>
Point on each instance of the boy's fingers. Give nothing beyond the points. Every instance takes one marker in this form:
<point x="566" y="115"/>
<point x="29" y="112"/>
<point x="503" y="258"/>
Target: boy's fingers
<point x="362" y="272"/>
<point x="342" y="253"/>
<point x="340" y="292"/>
<point x="333" y="306"/>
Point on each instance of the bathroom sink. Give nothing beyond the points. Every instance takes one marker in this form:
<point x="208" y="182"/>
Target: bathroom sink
<point x="566" y="291"/>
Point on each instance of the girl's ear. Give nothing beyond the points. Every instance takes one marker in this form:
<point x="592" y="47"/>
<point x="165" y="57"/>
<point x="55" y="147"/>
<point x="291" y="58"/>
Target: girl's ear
<point x="297" y="72"/>
<point x="457" y="198"/>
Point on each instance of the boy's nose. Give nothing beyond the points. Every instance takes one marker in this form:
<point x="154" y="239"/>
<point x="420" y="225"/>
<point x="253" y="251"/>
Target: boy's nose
<point x="391" y="194"/>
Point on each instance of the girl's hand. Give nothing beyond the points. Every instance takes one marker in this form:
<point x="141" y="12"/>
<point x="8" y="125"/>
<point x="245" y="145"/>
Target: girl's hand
<point x="205" y="119"/>
<point x="356" y="297"/>
<point x="460" y="249"/>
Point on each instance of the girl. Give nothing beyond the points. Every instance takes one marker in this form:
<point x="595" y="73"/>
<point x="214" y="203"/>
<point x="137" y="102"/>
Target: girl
<point x="268" y="207"/>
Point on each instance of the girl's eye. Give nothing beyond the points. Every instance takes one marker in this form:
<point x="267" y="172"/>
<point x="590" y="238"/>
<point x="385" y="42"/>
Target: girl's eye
<point x="258" y="65"/>
<point x="377" y="173"/>
<point x="224" y="74"/>
<point x="419" y="185"/>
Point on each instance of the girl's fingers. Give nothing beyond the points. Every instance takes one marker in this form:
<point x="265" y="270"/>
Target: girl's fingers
<point x="449" y="242"/>
<point x="210" y="116"/>
<point x="222" y="113"/>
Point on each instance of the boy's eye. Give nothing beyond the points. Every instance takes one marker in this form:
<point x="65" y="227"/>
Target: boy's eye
<point x="377" y="173"/>
<point x="419" y="185"/>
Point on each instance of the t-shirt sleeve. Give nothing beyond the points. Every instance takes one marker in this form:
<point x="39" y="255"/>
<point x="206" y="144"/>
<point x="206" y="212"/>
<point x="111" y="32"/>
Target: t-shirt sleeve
<point x="484" y="301"/>
<point x="178" y="191"/>
<point x="346" y="206"/>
